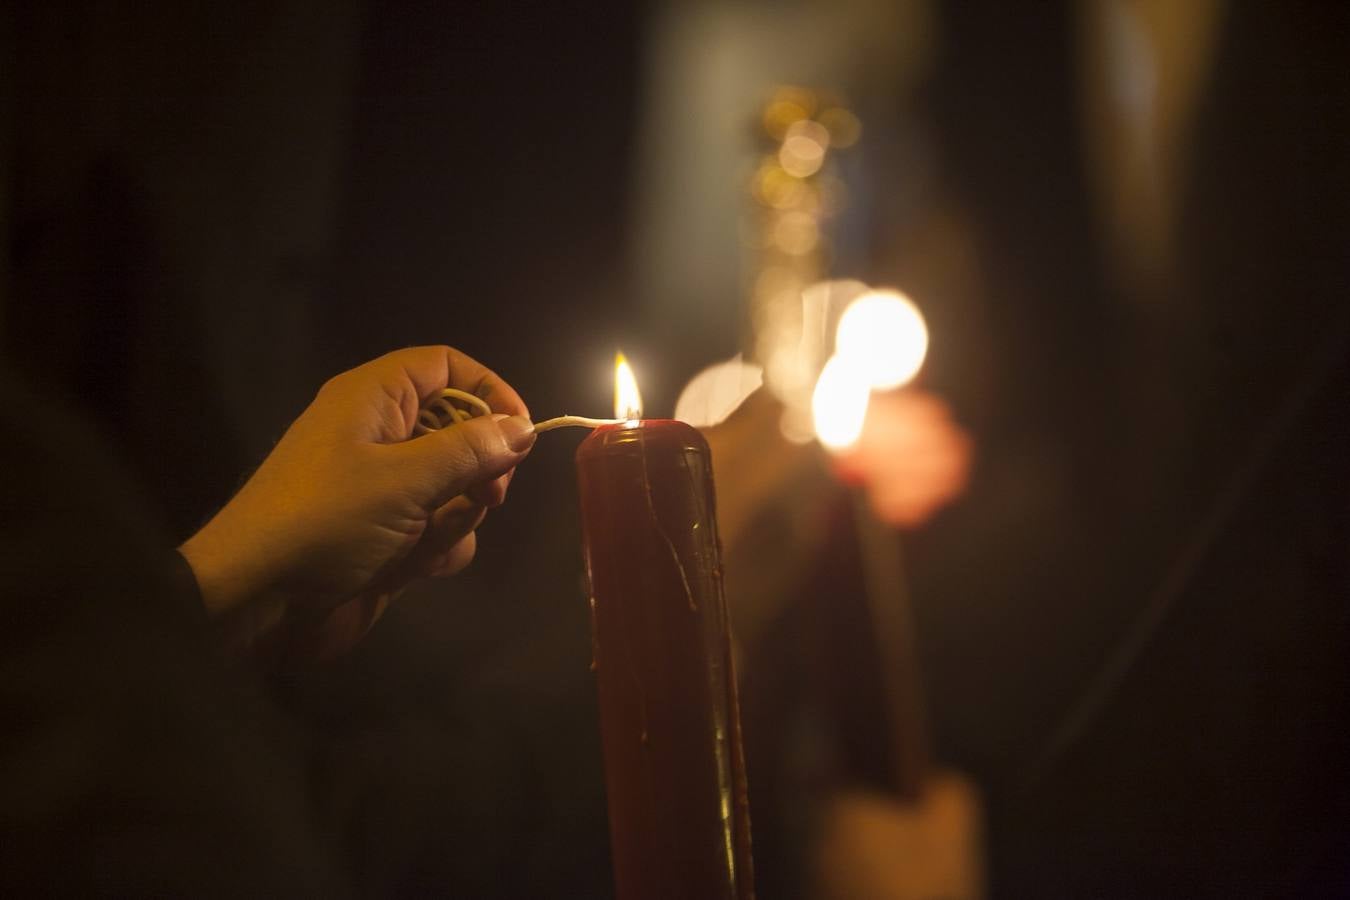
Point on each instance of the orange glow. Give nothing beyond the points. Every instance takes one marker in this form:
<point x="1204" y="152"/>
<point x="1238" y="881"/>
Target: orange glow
<point x="627" y="399"/>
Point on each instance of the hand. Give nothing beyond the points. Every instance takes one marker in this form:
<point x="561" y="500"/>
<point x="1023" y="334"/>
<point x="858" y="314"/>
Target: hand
<point x="347" y="510"/>
<point x="773" y="505"/>
<point x="874" y="846"/>
<point x="912" y="458"/>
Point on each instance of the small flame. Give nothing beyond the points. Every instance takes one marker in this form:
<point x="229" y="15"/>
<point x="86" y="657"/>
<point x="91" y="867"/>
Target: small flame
<point x="883" y="335"/>
<point x="839" y="403"/>
<point x="627" y="399"/>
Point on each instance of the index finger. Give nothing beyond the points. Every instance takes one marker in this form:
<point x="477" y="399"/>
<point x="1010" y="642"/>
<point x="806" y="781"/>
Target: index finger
<point x="431" y="368"/>
<point x="428" y="369"/>
<point x="411" y="375"/>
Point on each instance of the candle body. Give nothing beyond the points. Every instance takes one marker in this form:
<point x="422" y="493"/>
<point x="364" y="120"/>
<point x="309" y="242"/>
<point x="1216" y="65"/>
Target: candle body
<point x="670" y="727"/>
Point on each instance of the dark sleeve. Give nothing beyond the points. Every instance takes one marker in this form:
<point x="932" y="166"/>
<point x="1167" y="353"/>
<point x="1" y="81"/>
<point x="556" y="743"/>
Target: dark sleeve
<point x="135" y="758"/>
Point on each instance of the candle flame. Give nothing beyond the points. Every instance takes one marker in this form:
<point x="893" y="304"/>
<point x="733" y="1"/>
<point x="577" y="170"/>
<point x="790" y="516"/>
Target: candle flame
<point x="839" y="403"/>
<point x="627" y="399"/>
<point x="883" y="335"/>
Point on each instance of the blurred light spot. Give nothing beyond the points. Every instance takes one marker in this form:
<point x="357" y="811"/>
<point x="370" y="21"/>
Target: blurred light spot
<point x="627" y="399"/>
<point x="803" y="150"/>
<point x="775" y="187"/>
<point x="796" y="233"/>
<point x="843" y="126"/>
<point x="812" y="131"/>
<point x="788" y="105"/>
<point x="796" y="426"/>
<point x="883" y="335"/>
<point x="718" y="391"/>
<point x="786" y="369"/>
<point x="808" y="199"/>
<point x="839" y="403"/>
<point x="778" y="283"/>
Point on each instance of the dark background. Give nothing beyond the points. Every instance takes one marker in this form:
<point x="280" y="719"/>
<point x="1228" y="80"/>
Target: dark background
<point x="210" y="209"/>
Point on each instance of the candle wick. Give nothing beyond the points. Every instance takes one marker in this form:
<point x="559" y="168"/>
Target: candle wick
<point x="574" y="422"/>
<point x="450" y="406"/>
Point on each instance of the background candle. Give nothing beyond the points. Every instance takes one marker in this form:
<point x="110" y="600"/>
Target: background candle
<point x="674" y="771"/>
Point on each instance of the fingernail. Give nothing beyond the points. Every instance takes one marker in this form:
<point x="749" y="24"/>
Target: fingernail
<point x="518" y="432"/>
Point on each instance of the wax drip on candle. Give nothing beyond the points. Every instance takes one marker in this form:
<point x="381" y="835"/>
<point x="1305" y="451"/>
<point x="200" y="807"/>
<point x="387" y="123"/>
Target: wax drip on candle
<point x="450" y="406"/>
<point x="644" y="737"/>
<point x="595" y="634"/>
<point x="660" y="529"/>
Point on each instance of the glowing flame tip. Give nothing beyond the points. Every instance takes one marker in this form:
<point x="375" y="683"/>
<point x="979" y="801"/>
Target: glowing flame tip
<point x="627" y="399"/>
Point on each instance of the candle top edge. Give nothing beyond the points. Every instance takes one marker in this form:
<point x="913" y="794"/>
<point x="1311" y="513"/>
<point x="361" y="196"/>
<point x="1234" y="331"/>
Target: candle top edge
<point x="645" y="432"/>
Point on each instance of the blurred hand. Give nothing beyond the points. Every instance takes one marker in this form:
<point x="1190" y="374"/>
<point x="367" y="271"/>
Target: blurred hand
<point x="347" y="510"/>
<point x="773" y="501"/>
<point x="912" y="458"/>
<point x="874" y="847"/>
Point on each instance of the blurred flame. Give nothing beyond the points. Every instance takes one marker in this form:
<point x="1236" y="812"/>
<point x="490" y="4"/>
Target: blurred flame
<point x="714" y="394"/>
<point x="627" y="399"/>
<point x="883" y="335"/>
<point x="839" y="403"/>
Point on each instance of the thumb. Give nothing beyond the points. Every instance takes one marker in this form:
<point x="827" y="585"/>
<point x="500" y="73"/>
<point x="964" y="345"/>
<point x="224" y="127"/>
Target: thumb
<point x="446" y="463"/>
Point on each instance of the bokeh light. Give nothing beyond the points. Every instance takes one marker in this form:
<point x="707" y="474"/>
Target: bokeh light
<point x="796" y="233"/>
<point x="714" y="394"/>
<point x="789" y="105"/>
<point x="839" y="403"/>
<point x="883" y="335"/>
<point x="803" y="150"/>
<point x="775" y="187"/>
<point x="843" y="126"/>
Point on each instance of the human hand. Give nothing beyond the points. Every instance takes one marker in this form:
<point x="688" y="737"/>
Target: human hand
<point x="912" y="457"/>
<point x="874" y="846"/>
<point x="773" y="502"/>
<point x="347" y="510"/>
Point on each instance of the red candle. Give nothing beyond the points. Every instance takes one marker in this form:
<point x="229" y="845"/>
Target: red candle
<point x="670" y="728"/>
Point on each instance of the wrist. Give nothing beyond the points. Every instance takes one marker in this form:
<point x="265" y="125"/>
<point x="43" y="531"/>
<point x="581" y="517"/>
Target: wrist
<point x="225" y="583"/>
<point x="236" y="582"/>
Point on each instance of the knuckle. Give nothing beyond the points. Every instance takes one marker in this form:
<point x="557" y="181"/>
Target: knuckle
<point x="335" y="385"/>
<point x="481" y="447"/>
<point x="429" y="351"/>
<point x="460" y="555"/>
